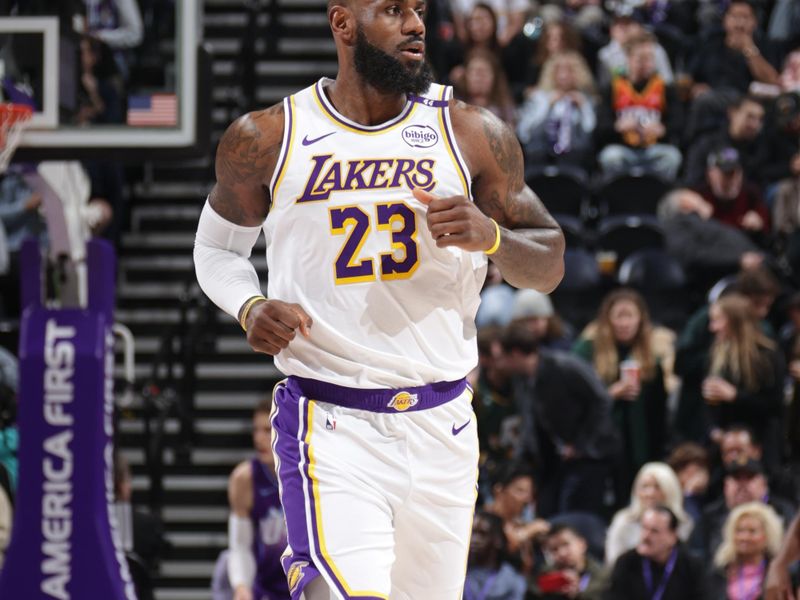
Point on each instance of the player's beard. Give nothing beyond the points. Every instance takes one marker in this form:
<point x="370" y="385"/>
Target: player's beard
<point x="386" y="73"/>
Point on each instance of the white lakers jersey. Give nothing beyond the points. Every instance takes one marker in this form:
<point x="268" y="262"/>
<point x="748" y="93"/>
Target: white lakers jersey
<point x="348" y="242"/>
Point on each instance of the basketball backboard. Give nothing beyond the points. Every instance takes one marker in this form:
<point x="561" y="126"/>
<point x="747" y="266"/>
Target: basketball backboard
<point x="42" y="57"/>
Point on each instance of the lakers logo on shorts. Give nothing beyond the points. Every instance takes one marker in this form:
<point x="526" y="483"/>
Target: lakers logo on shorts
<point x="402" y="401"/>
<point x="295" y="574"/>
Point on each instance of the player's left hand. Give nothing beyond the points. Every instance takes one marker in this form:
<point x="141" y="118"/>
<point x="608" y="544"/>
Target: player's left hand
<point x="456" y="221"/>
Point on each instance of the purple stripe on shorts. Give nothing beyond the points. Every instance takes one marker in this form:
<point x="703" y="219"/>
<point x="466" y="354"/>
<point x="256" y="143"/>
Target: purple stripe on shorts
<point x="378" y="399"/>
<point x="313" y="509"/>
<point x="286" y="426"/>
<point x="290" y="423"/>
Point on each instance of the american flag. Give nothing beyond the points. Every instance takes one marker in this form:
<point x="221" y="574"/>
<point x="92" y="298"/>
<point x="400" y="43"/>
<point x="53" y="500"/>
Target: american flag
<point x="156" y="110"/>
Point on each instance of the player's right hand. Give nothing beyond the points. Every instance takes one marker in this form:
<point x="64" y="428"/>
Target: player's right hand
<point x="271" y="325"/>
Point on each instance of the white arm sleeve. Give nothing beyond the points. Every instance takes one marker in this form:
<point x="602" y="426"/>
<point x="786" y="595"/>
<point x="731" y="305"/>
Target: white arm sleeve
<point x="241" y="563"/>
<point x="221" y="252"/>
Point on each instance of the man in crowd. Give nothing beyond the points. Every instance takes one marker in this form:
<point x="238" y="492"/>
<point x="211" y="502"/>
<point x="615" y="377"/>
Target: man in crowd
<point x="728" y="64"/>
<point x="488" y="576"/>
<point x="565" y="425"/>
<point x="745" y="481"/>
<point x="570" y="572"/>
<point x="735" y="200"/>
<point x="640" y="118"/>
<point x="706" y="248"/>
<point x="742" y="131"/>
<point x="659" y="567"/>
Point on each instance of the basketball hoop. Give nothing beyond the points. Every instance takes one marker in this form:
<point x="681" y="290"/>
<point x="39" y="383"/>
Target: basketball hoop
<point x="13" y="119"/>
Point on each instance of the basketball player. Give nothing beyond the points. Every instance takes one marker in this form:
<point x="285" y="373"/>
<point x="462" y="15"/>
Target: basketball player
<point x="381" y="199"/>
<point x="256" y="526"/>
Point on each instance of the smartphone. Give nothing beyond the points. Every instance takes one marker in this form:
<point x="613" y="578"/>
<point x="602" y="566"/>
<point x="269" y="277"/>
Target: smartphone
<point x="555" y="581"/>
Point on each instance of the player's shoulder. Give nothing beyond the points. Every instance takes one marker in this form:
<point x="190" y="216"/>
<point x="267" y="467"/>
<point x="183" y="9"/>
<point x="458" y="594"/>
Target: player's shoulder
<point x="480" y="133"/>
<point x="242" y="474"/>
<point x="240" y="487"/>
<point x="261" y="127"/>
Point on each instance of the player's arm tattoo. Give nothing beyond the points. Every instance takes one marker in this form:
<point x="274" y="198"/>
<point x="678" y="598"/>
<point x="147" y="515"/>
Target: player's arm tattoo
<point x="245" y="160"/>
<point x="532" y="250"/>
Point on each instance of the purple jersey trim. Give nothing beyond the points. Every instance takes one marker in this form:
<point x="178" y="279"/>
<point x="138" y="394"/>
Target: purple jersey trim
<point x="428" y="101"/>
<point x="331" y="112"/>
<point x="378" y="400"/>
<point x="285" y="146"/>
<point x="451" y="142"/>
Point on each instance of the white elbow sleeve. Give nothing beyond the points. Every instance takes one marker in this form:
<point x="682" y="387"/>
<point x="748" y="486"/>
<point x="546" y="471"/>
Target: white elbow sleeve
<point x="221" y="253"/>
<point x="241" y="563"/>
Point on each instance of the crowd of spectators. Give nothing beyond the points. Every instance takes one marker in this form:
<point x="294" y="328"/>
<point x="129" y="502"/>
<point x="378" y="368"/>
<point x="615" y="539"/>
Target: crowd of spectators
<point x="628" y="454"/>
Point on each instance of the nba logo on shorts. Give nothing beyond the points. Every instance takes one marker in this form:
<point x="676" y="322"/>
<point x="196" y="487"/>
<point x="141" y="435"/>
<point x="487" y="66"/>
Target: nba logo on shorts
<point x="402" y="401"/>
<point x="295" y="574"/>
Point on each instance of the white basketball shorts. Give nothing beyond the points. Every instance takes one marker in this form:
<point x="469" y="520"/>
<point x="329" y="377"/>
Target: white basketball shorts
<point x="378" y="487"/>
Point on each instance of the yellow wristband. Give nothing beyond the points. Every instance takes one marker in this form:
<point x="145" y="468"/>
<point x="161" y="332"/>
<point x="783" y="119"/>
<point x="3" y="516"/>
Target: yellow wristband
<point x="496" y="244"/>
<point x="246" y="309"/>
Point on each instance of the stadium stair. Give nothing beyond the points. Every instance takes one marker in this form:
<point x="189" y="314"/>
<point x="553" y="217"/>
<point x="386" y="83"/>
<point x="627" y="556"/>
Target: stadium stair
<point x="156" y="274"/>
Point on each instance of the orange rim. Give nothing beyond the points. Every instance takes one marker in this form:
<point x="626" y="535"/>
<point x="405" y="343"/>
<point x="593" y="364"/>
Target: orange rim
<point x="15" y="112"/>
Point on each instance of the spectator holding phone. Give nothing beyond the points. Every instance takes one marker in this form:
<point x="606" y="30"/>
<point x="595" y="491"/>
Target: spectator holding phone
<point x="570" y="571"/>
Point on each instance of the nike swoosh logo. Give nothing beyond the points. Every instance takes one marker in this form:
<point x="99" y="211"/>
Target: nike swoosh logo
<point x="308" y="142"/>
<point x="457" y="430"/>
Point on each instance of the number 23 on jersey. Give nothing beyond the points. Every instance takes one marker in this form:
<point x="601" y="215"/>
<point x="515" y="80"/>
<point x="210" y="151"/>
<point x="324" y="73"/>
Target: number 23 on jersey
<point x="395" y="217"/>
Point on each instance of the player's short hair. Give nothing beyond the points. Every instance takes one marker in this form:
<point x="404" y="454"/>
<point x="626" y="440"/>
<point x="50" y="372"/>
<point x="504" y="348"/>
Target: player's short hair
<point x="264" y="406"/>
<point x="332" y="3"/>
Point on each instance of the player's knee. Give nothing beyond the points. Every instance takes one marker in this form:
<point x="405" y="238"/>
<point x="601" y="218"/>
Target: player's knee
<point x="318" y="590"/>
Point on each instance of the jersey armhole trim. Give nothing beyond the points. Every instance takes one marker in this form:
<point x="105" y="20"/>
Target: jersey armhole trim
<point x="450" y="141"/>
<point x="286" y="148"/>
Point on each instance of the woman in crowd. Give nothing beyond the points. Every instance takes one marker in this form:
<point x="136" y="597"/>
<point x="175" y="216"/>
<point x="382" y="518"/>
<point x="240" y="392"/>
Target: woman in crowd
<point x="557" y="37"/>
<point x="101" y="89"/>
<point x="485" y="85"/>
<point x="512" y="500"/>
<point x="790" y="340"/>
<point x="629" y="355"/>
<point x="557" y="120"/>
<point x="655" y="484"/>
<point x="481" y="32"/>
<point x="751" y="537"/>
<point x="744" y="381"/>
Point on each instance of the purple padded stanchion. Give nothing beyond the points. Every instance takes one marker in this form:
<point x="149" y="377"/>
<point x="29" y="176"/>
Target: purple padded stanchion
<point x="63" y="541"/>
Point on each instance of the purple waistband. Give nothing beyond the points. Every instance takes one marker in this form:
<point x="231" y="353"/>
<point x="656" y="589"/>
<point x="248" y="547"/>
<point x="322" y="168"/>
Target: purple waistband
<point x="378" y="400"/>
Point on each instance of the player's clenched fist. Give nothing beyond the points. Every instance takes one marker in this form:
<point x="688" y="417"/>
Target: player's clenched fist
<point x="271" y="325"/>
<point x="456" y="221"/>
